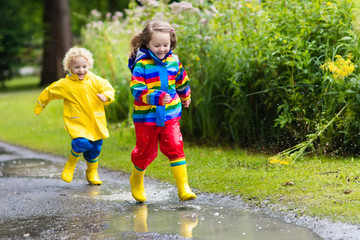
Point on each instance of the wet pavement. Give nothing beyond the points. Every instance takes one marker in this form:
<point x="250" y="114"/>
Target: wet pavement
<point x="36" y="204"/>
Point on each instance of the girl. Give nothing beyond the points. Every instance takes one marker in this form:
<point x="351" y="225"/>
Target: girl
<point x="160" y="85"/>
<point x="84" y="95"/>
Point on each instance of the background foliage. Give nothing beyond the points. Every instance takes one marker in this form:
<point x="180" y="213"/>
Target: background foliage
<point x="22" y="32"/>
<point x="16" y="33"/>
<point x="254" y="68"/>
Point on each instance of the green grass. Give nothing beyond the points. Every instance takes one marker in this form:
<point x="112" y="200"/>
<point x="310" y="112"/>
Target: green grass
<point x="20" y="84"/>
<point x="319" y="187"/>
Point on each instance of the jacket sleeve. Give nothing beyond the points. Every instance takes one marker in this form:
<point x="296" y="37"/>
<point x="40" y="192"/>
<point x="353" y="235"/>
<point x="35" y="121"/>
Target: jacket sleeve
<point x="52" y="92"/>
<point x="107" y="90"/>
<point x="182" y="83"/>
<point x="140" y="90"/>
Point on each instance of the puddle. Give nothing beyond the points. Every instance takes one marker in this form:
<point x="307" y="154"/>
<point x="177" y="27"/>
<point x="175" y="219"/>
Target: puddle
<point x="152" y="221"/>
<point x="165" y="215"/>
<point x="32" y="168"/>
<point x="205" y="222"/>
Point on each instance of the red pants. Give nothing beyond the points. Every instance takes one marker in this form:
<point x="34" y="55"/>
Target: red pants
<point x="147" y="138"/>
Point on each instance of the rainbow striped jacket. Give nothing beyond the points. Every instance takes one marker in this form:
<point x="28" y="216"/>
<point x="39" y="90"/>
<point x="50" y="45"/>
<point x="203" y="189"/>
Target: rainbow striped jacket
<point x="151" y="80"/>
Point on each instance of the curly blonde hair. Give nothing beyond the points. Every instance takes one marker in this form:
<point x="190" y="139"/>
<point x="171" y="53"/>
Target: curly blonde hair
<point x="76" y="52"/>
<point x="142" y="39"/>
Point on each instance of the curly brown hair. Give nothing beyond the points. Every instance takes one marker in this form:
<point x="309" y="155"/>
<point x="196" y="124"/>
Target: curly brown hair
<point x="142" y="39"/>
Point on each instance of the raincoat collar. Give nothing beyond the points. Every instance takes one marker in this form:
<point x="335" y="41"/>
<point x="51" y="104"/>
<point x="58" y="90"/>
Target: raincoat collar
<point x="75" y="77"/>
<point x="145" y="53"/>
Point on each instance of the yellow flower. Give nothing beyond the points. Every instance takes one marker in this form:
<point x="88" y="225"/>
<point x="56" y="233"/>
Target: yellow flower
<point x="340" y="68"/>
<point x="273" y="160"/>
<point x="284" y="162"/>
<point x="278" y="161"/>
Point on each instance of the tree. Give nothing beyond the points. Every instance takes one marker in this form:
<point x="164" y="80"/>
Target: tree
<point x="57" y="39"/>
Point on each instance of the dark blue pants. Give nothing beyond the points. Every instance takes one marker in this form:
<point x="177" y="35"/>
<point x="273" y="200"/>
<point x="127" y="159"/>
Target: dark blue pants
<point x="90" y="149"/>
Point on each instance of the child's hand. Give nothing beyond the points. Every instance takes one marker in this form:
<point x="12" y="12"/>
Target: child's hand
<point x="102" y="97"/>
<point x="186" y="103"/>
<point x="167" y="99"/>
<point x="38" y="109"/>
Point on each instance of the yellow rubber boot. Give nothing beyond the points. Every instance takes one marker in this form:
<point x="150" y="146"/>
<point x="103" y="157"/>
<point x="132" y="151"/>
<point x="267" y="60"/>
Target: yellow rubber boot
<point x="92" y="175"/>
<point x="184" y="191"/>
<point x="137" y="185"/>
<point x="68" y="173"/>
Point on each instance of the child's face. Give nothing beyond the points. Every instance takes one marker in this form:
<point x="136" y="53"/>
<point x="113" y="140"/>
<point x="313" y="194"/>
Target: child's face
<point x="79" y="66"/>
<point x="159" y="44"/>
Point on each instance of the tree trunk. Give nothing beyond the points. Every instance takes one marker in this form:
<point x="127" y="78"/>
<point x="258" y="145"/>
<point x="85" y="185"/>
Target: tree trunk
<point x="57" y="39"/>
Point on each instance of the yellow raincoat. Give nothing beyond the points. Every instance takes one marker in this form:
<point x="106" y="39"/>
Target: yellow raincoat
<point x="84" y="112"/>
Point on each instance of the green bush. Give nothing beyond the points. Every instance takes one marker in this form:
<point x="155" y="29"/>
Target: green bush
<point x="254" y="68"/>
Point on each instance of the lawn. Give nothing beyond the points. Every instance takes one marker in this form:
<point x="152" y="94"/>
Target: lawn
<point x="318" y="186"/>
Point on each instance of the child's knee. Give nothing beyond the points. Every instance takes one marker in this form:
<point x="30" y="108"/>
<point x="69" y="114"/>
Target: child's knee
<point x="93" y="153"/>
<point x="80" y="145"/>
